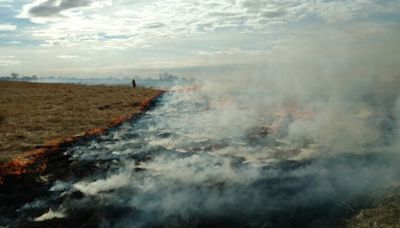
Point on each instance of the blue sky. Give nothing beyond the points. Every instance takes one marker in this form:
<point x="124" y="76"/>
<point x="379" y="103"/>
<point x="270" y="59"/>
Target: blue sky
<point x="118" y="37"/>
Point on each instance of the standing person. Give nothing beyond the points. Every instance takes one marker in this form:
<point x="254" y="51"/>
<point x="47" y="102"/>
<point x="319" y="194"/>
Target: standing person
<point x="134" y="83"/>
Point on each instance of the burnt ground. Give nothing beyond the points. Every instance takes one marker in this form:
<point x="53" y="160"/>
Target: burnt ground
<point x="281" y="202"/>
<point x="21" y="190"/>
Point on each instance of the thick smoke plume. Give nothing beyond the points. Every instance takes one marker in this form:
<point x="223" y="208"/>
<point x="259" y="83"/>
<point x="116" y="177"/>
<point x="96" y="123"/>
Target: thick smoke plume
<point x="301" y="140"/>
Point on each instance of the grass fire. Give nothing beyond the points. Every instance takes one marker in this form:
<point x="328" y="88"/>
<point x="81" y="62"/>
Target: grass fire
<point x="213" y="113"/>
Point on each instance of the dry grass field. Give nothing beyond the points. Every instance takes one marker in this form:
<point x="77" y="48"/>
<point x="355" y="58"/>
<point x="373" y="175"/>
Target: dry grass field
<point x="32" y="114"/>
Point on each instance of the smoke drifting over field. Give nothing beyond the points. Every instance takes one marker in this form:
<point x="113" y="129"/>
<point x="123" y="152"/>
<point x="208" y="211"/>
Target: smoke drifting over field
<point x="291" y="143"/>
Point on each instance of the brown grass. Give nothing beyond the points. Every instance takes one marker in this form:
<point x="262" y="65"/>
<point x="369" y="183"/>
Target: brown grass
<point x="37" y="114"/>
<point x="385" y="215"/>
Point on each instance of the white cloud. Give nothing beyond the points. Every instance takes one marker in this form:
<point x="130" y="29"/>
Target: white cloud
<point x="90" y="25"/>
<point x="73" y="57"/>
<point x="8" y="60"/>
<point x="68" y="57"/>
<point x="7" y="27"/>
<point x="230" y="52"/>
<point x="6" y="3"/>
<point x="180" y="33"/>
<point x="43" y="11"/>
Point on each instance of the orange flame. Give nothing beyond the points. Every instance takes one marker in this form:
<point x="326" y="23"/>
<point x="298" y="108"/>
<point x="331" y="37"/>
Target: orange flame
<point x="15" y="167"/>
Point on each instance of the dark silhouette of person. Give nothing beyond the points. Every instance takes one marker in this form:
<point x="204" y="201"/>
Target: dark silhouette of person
<point x="133" y="83"/>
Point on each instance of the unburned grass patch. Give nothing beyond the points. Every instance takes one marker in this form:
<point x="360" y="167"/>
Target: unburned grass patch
<point x="33" y="113"/>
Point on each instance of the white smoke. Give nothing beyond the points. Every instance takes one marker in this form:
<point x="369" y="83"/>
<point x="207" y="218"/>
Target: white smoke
<point x="289" y="138"/>
<point x="111" y="183"/>
<point x="49" y="215"/>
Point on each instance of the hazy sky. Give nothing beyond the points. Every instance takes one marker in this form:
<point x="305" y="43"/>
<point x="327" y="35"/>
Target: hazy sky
<point x="121" y="37"/>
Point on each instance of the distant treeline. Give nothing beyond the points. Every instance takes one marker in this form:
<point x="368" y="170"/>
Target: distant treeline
<point x="16" y="77"/>
<point x="163" y="80"/>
